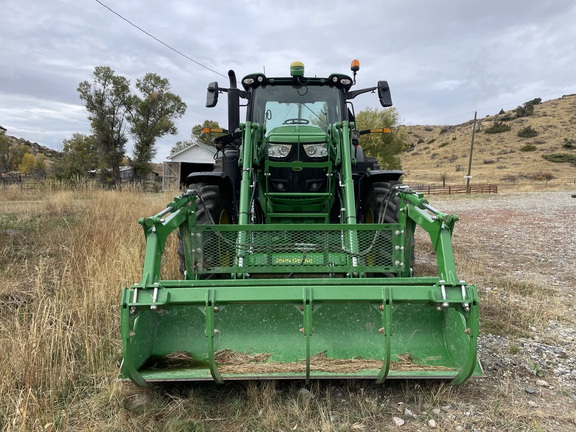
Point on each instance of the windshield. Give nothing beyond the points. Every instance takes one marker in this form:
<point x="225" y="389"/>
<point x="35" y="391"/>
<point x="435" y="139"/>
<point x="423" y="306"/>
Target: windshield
<point x="277" y="105"/>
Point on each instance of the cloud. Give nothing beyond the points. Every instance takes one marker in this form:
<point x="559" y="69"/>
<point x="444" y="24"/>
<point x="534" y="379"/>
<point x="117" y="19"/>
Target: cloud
<point x="443" y="59"/>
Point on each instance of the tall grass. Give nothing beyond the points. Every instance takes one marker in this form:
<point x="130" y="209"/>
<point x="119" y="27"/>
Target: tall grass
<point x="64" y="255"/>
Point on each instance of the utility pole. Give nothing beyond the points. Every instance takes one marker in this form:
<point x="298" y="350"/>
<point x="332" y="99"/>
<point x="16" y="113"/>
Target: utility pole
<point x="468" y="176"/>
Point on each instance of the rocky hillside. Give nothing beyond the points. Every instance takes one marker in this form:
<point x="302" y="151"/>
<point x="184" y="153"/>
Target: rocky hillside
<point x="550" y="134"/>
<point x="35" y="148"/>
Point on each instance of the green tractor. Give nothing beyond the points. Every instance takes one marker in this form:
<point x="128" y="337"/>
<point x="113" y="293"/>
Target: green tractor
<point x="296" y="256"/>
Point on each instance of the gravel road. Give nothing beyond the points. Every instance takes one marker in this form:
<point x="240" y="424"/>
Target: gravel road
<point x="523" y="240"/>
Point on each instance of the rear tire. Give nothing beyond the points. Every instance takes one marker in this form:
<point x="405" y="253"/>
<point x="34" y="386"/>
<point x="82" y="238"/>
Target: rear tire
<point x="214" y="207"/>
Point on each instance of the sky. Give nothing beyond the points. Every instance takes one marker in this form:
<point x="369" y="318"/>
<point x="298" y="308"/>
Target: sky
<point x="443" y="59"/>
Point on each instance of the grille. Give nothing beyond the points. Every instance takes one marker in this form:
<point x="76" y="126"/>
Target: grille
<point x="306" y="249"/>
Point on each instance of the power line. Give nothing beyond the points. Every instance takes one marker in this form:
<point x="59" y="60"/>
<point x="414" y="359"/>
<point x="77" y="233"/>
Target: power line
<point x="160" y="41"/>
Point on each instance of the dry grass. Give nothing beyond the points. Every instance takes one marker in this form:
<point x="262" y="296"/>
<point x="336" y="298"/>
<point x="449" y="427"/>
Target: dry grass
<point x="64" y="257"/>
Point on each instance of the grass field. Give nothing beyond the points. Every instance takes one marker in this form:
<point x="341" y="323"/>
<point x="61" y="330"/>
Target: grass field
<point x="64" y="255"/>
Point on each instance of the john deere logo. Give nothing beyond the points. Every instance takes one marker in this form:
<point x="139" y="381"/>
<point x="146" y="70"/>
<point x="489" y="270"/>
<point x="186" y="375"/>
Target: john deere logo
<point x="293" y="261"/>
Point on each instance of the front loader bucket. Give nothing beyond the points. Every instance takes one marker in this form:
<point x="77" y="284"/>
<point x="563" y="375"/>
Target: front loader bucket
<point x="299" y="329"/>
<point x="299" y="302"/>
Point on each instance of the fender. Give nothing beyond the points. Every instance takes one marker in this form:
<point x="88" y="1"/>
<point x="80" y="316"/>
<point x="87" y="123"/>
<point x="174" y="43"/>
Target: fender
<point x="215" y="178"/>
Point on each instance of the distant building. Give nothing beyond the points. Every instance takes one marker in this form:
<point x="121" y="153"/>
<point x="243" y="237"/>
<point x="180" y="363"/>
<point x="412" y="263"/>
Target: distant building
<point x="197" y="157"/>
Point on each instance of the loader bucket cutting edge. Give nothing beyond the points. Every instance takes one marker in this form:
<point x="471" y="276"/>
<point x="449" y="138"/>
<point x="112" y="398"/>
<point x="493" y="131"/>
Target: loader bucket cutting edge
<point x="302" y="331"/>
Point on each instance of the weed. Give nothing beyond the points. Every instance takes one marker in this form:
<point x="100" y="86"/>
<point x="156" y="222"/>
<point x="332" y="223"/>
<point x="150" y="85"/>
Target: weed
<point x="534" y="368"/>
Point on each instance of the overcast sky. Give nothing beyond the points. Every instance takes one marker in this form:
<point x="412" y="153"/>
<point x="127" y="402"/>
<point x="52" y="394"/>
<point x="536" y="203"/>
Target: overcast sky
<point x="443" y="59"/>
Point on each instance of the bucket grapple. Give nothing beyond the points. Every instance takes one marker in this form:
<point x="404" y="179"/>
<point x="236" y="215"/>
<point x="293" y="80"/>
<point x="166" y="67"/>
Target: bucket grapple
<point x="297" y="258"/>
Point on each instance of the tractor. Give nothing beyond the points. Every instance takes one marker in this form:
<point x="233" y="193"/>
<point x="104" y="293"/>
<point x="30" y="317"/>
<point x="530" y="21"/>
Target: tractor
<point x="296" y="255"/>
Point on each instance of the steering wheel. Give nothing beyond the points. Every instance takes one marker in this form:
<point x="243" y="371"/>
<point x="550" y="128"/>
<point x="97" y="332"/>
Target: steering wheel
<point x="296" y="121"/>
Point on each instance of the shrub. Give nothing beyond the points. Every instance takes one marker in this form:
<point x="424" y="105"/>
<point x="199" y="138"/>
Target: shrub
<point x="528" y="108"/>
<point x="498" y="127"/>
<point x="541" y="176"/>
<point x="489" y="161"/>
<point x="509" y="178"/>
<point x="528" y="148"/>
<point x="527" y="132"/>
<point x="444" y="144"/>
<point x="569" y="144"/>
<point x="431" y="141"/>
<point x="560" y="158"/>
<point x="501" y="111"/>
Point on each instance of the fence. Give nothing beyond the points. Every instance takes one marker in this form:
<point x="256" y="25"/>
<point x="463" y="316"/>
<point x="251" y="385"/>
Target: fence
<point x="456" y="189"/>
<point x="33" y="182"/>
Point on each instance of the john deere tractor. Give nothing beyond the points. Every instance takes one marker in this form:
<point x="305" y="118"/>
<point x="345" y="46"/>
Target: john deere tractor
<point x="296" y="255"/>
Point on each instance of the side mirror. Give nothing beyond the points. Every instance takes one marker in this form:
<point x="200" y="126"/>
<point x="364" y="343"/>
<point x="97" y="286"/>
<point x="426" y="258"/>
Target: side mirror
<point x="212" y="95"/>
<point x="384" y="94"/>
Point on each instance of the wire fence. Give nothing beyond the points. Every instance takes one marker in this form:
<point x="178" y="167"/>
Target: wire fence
<point x="25" y="182"/>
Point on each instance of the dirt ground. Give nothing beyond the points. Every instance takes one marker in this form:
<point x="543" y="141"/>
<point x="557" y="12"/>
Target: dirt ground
<point x="520" y="250"/>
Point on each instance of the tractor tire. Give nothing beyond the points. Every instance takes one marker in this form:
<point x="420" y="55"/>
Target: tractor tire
<point x="381" y="206"/>
<point x="215" y="207"/>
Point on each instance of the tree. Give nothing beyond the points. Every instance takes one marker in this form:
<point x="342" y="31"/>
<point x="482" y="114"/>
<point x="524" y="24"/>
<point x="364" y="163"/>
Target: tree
<point x="198" y="136"/>
<point x="28" y="164"/>
<point x="10" y="154"/>
<point x="386" y="147"/>
<point x="152" y="117"/>
<point x="79" y="156"/>
<point x="107" y="101"/>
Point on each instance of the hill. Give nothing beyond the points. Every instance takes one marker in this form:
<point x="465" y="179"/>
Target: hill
<point x="35" y="148"/>
<point x="435" y="151"/>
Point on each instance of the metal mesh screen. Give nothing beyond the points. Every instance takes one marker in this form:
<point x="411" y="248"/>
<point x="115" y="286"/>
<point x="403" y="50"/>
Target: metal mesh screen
<point x="273" y="249"/>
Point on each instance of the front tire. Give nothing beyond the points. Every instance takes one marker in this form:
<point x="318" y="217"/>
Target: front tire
<point x="381" y="206"/>
<point x="214" y="206"/>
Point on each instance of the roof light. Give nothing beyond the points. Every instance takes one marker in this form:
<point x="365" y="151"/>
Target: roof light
<point x="297" y="69"/>
<point x="213" y="130"/>
<point x="355" y="66"/>
<point x="248" y="81"/>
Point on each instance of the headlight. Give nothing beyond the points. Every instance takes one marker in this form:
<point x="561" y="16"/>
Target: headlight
<point x="279" y="150"/>
<point x="316" y="150"/>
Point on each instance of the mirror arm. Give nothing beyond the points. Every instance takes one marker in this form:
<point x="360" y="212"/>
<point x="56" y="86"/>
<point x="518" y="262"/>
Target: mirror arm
<point x="353" y="94"/>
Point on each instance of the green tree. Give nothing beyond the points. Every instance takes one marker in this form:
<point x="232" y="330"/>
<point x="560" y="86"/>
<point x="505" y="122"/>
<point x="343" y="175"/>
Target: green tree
<point x="79" y="155"/>
<point x="107" y="101"/>
<point x="152" y="117"/>
<point x="40" y="167"/>
<point x="198" y="136"/>
<point x="385" y="147"/>
<point x="10" y="154"/>
<point x="28" y="164"/>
